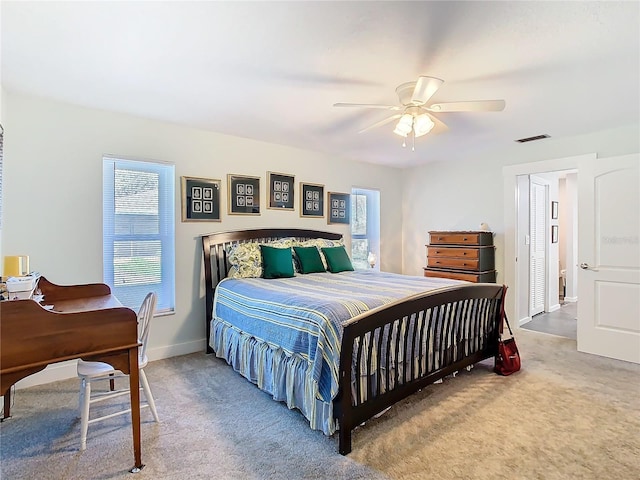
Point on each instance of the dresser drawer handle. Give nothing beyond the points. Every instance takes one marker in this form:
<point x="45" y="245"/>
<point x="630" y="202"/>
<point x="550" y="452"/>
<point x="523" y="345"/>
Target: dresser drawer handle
<point x="464" y="253"/>
<point x="464" y="239"/>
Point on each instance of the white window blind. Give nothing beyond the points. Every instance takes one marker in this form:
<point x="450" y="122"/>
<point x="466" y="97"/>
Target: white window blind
<point x="139" y="231"/>
<point x="365" y="226"/>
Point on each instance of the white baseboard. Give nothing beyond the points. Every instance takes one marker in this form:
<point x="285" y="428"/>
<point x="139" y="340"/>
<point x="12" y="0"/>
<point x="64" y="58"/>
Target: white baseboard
<point x="66" y="370"/>
<point x="555" y="307"/>
<point x="176" y="350"/>
<point x="570" y="299"/>
<point x="524" y="320"/>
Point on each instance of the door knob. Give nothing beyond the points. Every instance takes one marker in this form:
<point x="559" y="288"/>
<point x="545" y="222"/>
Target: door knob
<point x="584" y="266"/>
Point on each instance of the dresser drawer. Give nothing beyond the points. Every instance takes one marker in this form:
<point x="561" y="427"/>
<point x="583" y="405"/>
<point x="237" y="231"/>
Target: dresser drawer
<point x="451" y="262"/>
<point x="479" y="277"/>
<point x="461" y="238"/>
<point x="457" y="252"/>
<point x="468" y="258"/>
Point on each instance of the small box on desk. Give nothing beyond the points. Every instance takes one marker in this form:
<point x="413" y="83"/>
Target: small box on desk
<point x="20" y="288"/>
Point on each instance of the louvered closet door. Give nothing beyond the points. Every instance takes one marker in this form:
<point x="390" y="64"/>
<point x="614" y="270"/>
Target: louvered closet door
<point x="537" y="268"/>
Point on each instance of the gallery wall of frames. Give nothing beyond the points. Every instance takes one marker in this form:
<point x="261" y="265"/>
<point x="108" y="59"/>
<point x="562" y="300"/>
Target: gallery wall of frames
<point x="203" y="200"/>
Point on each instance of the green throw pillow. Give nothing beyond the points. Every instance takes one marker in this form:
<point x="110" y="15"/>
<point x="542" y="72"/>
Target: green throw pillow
<point x="309" y="260"/>
<point x="276" y="262"/>
<point x="337" y="259"/>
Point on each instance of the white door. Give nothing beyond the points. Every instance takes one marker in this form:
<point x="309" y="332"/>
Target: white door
<point x="538" y="242"/>
<point x="609" y="257"/>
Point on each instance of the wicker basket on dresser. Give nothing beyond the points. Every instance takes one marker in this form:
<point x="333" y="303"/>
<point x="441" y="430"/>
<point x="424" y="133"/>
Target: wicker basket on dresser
<point x="461" y="255"/>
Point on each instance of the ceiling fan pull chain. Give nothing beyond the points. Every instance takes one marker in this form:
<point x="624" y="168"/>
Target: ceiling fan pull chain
<point x="413" y="147"/>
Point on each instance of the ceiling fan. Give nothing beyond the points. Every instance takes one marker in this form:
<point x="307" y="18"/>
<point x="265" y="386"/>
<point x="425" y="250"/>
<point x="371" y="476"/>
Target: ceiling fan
<point x="415" y="117"/>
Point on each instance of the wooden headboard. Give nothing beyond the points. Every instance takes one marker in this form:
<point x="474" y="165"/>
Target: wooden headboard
<point x="216" y="264"/>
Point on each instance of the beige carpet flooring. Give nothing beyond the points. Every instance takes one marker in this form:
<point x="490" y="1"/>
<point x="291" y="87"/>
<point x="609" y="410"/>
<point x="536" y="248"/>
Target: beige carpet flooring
<point x="566" y="415"/>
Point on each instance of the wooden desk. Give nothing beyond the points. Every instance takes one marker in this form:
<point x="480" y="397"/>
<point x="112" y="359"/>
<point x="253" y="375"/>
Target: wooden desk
<point x="86" y="322"/>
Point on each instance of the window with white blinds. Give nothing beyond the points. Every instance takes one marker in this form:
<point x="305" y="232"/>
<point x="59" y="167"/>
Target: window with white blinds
<point x="365" y="226"/>
<point x="139" y="231"/>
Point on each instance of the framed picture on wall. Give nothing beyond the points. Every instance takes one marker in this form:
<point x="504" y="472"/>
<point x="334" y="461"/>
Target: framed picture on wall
<point x="244" y="195"/>
<point x="200" y="199"/>
<point x="338" y="207"/>
<point x="311" y="200"/>
<point x="280" y="191"/>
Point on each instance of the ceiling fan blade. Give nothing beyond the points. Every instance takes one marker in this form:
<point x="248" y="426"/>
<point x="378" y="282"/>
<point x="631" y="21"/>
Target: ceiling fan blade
<point x="381" y="122"/>
<point x="424" y="89"/>
<point x="368" y="105"/>
<point x="476" y="106"/>
<point x="439" y="125"/>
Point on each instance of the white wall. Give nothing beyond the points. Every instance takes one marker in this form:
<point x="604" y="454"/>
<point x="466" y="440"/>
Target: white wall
<point x="53" y="196"/>
<point x="453" y="195"/>
<point x="1" y="170"/>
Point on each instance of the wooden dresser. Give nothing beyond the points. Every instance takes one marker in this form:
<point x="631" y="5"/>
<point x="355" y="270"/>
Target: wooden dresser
<point x="461" y="255"/>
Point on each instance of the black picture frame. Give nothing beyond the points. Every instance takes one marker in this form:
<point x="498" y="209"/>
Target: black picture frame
<point x="281" y="191"/>
<point x="554" y="210"/>
<point x="311" y="200"/>
<point x="554" y="233"/>
<point x="338" y="207"/>
<point x="244" y="194"/>
<point x="200" y="199"/>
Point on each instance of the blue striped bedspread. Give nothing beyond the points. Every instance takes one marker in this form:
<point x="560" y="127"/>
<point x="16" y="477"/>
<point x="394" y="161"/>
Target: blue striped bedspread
<point x="304" y="315"/>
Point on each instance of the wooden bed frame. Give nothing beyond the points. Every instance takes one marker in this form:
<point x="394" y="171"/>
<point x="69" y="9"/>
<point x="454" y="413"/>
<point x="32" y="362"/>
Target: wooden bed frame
<point x="467" y="318"/>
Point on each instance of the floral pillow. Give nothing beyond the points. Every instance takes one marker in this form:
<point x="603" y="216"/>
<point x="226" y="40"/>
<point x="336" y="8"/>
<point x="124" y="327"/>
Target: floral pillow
<point x="246" y="260"/>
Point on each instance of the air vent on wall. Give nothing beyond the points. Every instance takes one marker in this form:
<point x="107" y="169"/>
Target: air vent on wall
<point x="531" y="139"/>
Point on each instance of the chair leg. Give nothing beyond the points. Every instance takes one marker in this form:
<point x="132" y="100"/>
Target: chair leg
<point x="148" y="395"/>
<point x="81" y="398"/>
<point x="112" y="383"/>
<point x="84" y="412"/>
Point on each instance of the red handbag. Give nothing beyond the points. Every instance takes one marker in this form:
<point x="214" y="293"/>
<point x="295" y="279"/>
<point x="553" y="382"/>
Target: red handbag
<point x="508" y="357"/>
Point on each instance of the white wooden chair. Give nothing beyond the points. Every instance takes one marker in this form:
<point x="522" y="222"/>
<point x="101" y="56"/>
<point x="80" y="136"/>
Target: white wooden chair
<point x="90" y="372"/>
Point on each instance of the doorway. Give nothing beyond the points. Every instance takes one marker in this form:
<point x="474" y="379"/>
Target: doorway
<point x="517" y="234"/>
<point x="550" y="244"/>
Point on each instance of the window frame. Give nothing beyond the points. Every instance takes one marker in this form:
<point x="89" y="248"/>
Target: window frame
<point x="166" y="225"/>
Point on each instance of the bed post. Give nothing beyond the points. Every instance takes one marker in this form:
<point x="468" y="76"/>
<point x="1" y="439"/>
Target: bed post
<point x="342" y="405"/>
<point x="206" y="250"/>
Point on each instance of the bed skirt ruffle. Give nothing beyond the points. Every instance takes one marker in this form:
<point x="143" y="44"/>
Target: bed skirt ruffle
<point x="287" y="378"/>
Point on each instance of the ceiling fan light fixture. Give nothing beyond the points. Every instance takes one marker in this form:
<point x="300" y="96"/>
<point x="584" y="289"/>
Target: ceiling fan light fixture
<point x="402" y="133"/>
<point x="404" y="126"/>
<point x="422" y="124"/>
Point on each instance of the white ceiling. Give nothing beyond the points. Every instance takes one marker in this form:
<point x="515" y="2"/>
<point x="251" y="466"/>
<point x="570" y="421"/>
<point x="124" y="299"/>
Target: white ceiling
<point x="272" y="71"/>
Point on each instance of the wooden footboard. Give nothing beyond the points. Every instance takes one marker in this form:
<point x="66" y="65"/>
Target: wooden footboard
<point x="395" y="350"/>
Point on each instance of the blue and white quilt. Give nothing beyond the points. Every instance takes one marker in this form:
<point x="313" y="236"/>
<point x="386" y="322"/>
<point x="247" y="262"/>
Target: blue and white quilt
<point x="303" y="316"/>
